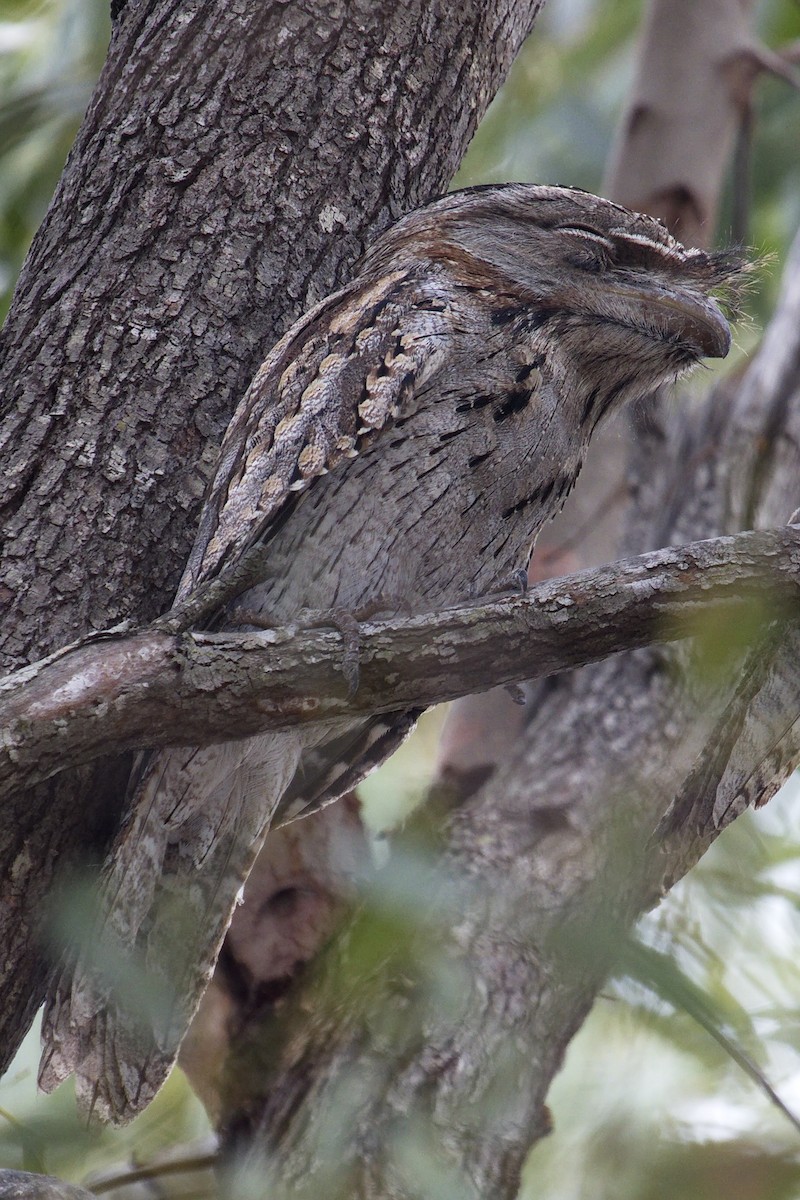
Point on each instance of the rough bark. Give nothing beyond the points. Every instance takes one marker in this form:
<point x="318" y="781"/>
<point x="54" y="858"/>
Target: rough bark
<point x="208" y="201"/>
<point x="233" y="162"/>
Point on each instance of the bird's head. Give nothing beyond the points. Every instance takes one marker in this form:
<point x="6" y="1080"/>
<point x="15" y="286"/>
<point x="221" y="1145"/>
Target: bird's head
<point x="613" y="303"/>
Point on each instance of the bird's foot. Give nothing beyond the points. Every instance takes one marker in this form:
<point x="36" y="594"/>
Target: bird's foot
<point x="348" y="622"/>
<point x="516" y="583"/>
<point x="258" y="620"/>
<point x="309" y="618"/>
<point x="348" y="626"/>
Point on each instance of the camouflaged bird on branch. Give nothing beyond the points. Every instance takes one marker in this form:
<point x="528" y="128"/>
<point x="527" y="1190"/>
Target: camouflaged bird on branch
<point x="401" y="446"/>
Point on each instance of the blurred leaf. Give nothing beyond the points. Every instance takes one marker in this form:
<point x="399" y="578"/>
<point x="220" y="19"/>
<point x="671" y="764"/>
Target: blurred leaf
<point x="662" y="973"/>
<point x="50" y="55"/>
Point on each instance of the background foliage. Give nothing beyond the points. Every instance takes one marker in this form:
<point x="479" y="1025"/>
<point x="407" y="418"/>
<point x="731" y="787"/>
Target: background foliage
<point x="649" y="1105"/>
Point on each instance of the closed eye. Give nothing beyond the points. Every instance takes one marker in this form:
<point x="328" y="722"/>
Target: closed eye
<point x="590" y="251"/>
<point x="638" y="250"/>
<point x="587" y="233"/>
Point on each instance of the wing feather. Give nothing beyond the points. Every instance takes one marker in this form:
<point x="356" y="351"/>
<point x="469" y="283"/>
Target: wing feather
<point x="338" y="378"/>
<point x="197" y="818"/>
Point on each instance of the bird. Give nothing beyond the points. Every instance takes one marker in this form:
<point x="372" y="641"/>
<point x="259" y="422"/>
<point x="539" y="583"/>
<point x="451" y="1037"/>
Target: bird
<point x="400" y="447"/>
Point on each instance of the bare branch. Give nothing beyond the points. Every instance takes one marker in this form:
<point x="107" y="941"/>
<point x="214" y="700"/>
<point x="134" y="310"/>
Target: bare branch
<point x="150" y="688"/>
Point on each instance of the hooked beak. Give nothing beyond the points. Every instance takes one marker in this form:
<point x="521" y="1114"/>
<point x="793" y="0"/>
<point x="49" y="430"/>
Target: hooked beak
<point x="695" y="320"/>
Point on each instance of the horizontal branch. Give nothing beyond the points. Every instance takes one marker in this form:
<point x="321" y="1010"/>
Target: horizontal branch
<point x="119" y="690"/>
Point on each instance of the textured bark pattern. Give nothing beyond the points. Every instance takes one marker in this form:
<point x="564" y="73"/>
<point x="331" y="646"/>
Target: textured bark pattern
<point x="232" y="164"/>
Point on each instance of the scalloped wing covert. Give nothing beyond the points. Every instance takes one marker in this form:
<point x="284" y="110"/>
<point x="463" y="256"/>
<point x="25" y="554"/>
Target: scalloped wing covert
<point x="323" y="395"/>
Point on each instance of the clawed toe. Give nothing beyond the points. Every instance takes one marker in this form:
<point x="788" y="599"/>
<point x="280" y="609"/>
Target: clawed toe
<point x="348" y="626"/>
<point x="516" y="582"/>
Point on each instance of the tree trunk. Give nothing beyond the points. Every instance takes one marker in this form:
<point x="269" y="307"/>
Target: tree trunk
<point x="232" y="164"/>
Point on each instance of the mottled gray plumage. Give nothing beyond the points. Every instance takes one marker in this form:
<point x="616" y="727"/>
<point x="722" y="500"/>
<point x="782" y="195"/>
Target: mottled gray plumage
<point x="402" y="445"/>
